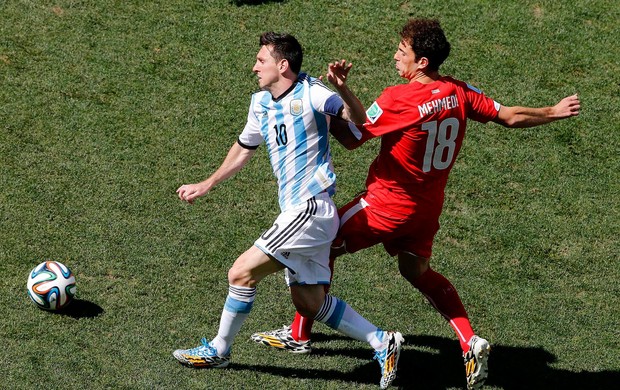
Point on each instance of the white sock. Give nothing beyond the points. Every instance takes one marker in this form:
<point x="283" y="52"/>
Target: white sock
<point x="338" y="315"/>
<point x="236" y="309"/>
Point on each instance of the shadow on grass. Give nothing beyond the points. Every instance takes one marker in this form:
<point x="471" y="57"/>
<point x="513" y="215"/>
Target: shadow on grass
<point x="80" y="308"/>
<point x="441" y="367"/>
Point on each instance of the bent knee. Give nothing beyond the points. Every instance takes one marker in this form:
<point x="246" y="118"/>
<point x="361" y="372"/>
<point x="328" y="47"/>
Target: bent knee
<point x="411" y="266"/>
<point x="239" y="276"/>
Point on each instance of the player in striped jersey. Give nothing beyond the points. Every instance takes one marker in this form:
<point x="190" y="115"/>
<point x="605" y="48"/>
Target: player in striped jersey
<point x="291" y="116"/>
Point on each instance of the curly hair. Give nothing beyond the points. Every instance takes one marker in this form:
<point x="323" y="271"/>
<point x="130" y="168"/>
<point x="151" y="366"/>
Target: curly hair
<point x="285" y="46"/>
<point x="427" y="39"/>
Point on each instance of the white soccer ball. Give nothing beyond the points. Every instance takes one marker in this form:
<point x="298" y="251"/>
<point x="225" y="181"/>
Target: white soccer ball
<point x="51" y="285"/>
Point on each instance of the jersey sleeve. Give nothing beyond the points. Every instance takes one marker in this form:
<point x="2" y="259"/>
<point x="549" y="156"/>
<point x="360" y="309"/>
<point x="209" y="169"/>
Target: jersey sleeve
<point x="482" y="108"/>
<point x="324" y="100"/>
<point x="382" y="117"/>
<point x="251" y="137"/>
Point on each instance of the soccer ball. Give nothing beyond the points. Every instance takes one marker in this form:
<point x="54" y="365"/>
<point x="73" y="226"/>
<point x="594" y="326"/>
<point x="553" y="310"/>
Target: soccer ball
<point x="51" y="285"/>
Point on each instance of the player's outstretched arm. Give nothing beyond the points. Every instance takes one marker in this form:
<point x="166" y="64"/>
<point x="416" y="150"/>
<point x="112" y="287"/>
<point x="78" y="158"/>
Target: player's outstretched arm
<point x="235" y="160"/>
<point x="337" y="73"/>
<point x="528" y="117"/>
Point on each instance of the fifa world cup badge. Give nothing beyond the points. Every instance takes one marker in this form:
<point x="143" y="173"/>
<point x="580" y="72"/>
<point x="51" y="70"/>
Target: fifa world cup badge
<point x="374" y="112"/>
<point x="297" y="107"/>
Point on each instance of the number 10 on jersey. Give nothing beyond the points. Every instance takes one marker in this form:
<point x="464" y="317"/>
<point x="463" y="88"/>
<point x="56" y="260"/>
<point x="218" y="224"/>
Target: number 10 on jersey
<point x="280" y="132"/>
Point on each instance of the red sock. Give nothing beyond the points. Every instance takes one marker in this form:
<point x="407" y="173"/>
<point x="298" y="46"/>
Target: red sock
<point x="444" y="297"/>
<point x="301" y="327"/>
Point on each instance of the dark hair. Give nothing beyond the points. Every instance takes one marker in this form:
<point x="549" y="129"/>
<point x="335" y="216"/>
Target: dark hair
<point x="285" y="46"/>
<point x="427" y="39"/>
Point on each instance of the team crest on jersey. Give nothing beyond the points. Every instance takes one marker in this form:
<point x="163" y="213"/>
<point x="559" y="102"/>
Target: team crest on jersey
<point x="297" y="107"/>
<point x="374" y="112"/>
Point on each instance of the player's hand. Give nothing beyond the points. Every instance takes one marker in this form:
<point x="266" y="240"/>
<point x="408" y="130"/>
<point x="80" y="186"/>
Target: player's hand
<point x="337" y="72"/>
<point x="189" y="192"/>
<point x="567" y="107"/>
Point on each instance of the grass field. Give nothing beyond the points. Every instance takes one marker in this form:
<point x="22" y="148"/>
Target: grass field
<point x="106" y="107"/>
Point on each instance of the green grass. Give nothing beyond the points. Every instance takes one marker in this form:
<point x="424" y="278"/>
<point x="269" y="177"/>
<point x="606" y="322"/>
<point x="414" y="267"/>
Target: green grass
<point x="107" y="107"/>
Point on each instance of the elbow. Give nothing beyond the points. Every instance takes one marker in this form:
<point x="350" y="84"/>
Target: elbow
<point x="510" y="122"/>
<point x="345" y="133"/>
<point x="507" y="117"/>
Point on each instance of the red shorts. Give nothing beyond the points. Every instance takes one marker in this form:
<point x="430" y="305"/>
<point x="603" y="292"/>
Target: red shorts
<point x="365" y="222"/>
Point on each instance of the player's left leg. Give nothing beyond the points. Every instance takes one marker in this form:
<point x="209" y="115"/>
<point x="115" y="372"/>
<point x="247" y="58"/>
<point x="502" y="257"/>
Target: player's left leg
<point x="439" y="292"/>
<point x="445" y="299"/>
<point x="251" y="267"/>
<point x="354" y="230"/>
<point x="294" y="338"/>
<point x="312" y="302"/>
<point x="300" y="330"/>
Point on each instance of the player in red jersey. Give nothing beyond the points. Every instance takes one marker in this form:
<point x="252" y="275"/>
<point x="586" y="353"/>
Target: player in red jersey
<point x="421" y="125"/>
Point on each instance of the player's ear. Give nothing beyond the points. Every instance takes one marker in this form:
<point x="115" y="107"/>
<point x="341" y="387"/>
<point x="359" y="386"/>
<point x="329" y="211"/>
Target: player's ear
<point x="423" y="63"/>
<point x="283" y="65"/>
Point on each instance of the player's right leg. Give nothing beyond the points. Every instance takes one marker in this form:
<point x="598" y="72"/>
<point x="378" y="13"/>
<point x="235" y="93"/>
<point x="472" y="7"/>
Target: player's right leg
<point x="251" y="267"/>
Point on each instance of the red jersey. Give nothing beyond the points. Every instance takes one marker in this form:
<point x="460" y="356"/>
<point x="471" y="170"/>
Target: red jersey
<point x="422" y="127"/>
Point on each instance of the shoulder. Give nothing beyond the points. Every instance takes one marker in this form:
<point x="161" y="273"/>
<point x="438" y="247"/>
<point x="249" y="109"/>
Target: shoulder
<point x="260" y="98"/>
<point x="461" y="84"/>
<point x="313" y="83"/>
<point x="402" y="91"/>
<point x="395" y="89"/>
<point x="393" y="94"/>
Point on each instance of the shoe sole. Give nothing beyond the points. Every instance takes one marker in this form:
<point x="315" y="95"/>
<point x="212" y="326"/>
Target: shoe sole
<point x="197" y="362"/>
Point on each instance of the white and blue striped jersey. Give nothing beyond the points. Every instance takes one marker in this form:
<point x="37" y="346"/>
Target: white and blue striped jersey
<point x="295" y="129"/>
